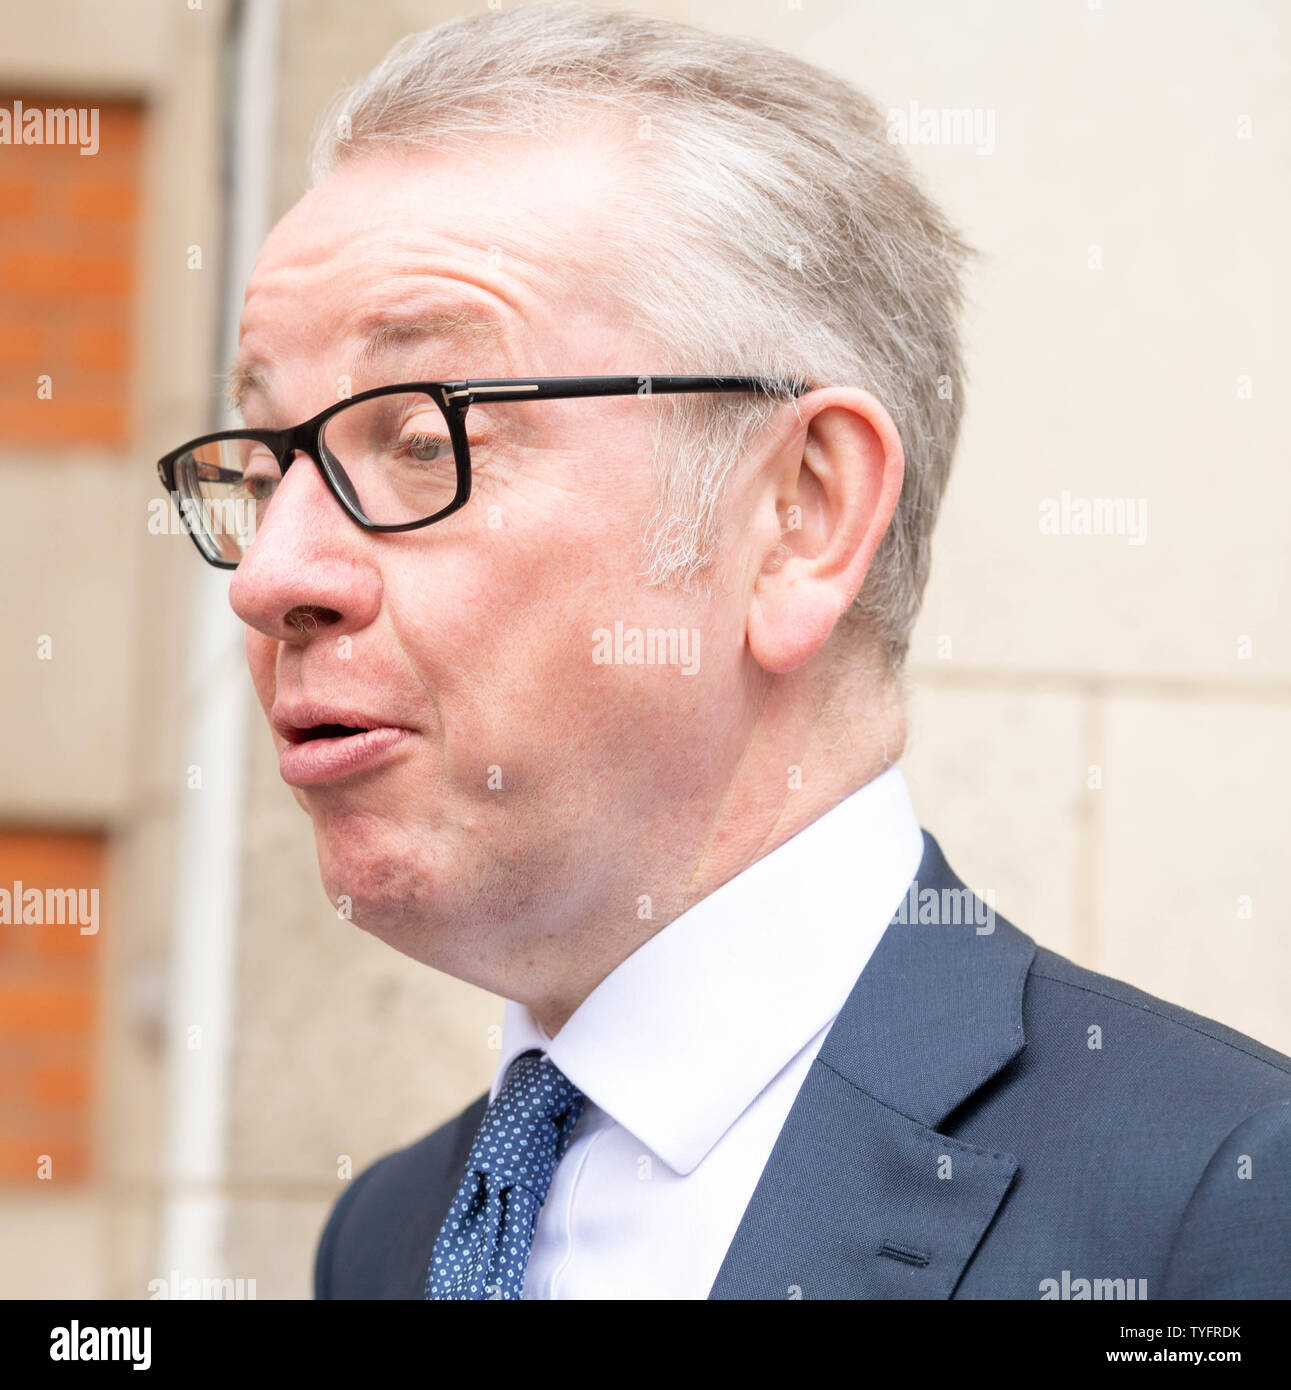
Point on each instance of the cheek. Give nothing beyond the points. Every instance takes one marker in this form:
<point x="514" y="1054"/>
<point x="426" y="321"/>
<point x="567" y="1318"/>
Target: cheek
<point x="262" y="660"/>
<point x="504" y="631"/>
<point x="500" y="638"/>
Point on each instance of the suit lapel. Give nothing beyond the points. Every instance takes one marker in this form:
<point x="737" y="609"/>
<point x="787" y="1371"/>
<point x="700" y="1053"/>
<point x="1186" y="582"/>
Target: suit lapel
<point x="414" y="1243"/>
<point x="862" y="1197"/>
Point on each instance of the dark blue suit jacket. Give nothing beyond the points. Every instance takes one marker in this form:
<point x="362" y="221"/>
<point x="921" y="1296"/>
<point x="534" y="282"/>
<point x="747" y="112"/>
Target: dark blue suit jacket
<point x="959" y="1137"/>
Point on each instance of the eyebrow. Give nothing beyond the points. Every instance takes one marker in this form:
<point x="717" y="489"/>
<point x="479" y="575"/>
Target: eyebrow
<point x="388" y="336"/>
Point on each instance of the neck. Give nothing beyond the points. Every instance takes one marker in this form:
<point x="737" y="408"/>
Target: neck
<point x="789" y="773"/>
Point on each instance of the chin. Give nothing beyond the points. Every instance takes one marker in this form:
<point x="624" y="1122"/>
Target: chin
<point x="377" y="882"/>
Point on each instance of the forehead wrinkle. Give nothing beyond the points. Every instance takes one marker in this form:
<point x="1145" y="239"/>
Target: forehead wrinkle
<point x="392" y="335"/>
<point x="386" y="336"/>
<point x="408" y="255"/>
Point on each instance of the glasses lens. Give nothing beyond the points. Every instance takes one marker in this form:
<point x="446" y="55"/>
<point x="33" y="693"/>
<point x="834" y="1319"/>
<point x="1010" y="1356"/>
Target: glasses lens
<point x="392" y="457"/>
<point x="224" y="489"/>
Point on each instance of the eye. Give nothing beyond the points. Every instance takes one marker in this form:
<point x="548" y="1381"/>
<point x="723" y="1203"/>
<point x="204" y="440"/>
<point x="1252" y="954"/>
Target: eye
<point x="261" y="489"/>
<point x="260" y="475"/>
<point x="425" y="447"/>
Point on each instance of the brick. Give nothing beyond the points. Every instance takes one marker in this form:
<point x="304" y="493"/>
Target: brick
<point x="21" y="344"/>
<point x="65" y="941"/>
<point x="108" y="348"/>
<point x="60" y="1086"/>
<point x="34" y="1008"/>
<point x="50" y="1083"/>
<point x="18" y="198"/>
<point x="59" y="273"/>
<point x="68" y="250"/>
<point x="105" y="202"/>
<point x="51" y="858"/>
<point x="19" y="1155"/>
<point x="120" y="124"/>
<point x="61" y="422"/>
<point x="15" y="1082"/>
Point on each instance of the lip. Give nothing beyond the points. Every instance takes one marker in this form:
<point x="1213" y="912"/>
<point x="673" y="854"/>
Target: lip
<point x="327" y="759"/>
<point x="307" y="761"/>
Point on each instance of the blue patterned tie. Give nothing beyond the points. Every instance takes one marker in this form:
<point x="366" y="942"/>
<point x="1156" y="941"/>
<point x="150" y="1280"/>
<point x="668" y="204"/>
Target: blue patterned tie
<point x="483" y="1246"/>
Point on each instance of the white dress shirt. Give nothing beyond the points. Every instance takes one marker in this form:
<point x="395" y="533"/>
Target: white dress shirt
<point x="691" y="1052"/>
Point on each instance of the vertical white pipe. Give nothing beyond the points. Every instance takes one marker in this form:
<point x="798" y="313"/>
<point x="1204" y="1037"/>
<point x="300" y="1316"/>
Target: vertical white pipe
<point x="204" y="918"/>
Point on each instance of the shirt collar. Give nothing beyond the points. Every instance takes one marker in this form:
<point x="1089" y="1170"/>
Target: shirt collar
<point x="679" y="1039"/>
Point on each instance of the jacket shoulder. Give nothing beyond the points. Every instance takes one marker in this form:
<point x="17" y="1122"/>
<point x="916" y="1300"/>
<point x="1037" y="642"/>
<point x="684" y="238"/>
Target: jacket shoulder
<point x="1200" y="1043"/>
<point x="378" y="1239"/>
<point x="1150" y="1140"/>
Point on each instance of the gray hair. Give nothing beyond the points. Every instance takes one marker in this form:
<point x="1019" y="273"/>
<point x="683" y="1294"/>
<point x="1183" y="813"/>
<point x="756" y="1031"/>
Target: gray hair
<point x="775" y="230"/>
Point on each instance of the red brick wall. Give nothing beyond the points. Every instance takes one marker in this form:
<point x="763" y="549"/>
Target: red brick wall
<point x="69" y="226"/>
<point x="68" y="251"/>
<point x="48" y="1010"/>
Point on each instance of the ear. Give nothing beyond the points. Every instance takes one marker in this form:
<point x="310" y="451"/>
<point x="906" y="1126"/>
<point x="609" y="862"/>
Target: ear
<point x="820" y="507"/>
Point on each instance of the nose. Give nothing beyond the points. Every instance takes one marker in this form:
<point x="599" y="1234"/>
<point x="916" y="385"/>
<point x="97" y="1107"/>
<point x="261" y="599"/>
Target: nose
<point x="309" y="572"/>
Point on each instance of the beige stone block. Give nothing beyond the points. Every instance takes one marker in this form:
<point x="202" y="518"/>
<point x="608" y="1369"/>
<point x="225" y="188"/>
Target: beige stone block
<point x="998" y="777"/>
<point x="130" y="1262"/>
<point x="75" y="42"/>
<point x="272" y="1240"/>
<point x="1195" y="828"/>
<point x="68" y="694"/>
<point x="137" y="939"/>
<point x="52" y="1242"/>
<point x="1131" y="380"/>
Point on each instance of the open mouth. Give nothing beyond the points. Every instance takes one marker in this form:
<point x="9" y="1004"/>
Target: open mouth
<point x="330" y="751"/>
<point x="318" y="731"/>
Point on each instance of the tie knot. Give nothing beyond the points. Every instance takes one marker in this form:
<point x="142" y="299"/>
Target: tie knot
<point x="525" y="1132"/>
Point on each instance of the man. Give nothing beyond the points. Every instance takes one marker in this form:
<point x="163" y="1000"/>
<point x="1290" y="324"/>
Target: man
<point x="628" y="362"/>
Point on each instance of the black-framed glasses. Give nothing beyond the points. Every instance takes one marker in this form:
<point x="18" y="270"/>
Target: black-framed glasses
<point x="395" y="458"/>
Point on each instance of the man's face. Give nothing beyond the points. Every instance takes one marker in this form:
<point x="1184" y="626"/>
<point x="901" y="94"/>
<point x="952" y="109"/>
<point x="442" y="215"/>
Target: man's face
<point x="529" y="777"/>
